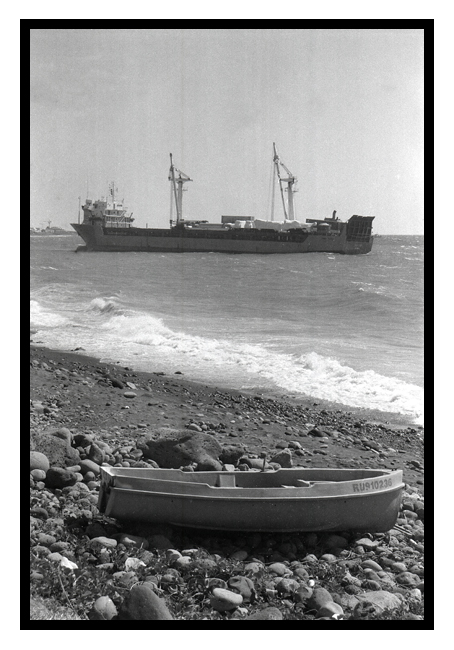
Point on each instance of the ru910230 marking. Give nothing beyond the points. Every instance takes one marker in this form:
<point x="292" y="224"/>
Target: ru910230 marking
<point x="379" y="484"/>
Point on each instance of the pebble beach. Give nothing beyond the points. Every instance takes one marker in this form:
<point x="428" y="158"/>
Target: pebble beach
<point x="85" y="566"/>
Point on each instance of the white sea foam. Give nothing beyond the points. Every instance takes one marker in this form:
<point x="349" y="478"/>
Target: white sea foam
<point x="309" y="374"/>
<point x="40" y="317"/>
<point x="105" y="305"/>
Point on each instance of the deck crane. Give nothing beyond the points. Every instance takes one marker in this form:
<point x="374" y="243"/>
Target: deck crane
<point x="178" y="192"/>
<point x="290" y="180"/>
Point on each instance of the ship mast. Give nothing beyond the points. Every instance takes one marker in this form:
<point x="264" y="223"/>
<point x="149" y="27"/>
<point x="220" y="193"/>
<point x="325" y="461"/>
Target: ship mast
<point x="112" y="190"/>
<point x="291" y="180"/>
<point x="178" y="192"/>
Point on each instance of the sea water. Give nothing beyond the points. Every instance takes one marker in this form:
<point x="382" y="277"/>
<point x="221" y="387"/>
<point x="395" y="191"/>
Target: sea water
<point x="342" y="328"/>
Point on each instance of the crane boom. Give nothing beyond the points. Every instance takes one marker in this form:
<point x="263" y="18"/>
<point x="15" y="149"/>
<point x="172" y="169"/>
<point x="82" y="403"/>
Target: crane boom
<point x="178" y="192"/>
<point x="291" y="180"/>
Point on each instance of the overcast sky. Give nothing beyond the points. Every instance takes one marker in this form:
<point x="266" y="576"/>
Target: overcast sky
<point x="345" y="108"/>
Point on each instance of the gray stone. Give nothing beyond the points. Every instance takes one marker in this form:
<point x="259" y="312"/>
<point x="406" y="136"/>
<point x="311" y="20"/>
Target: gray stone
<point x="370" y="564"/>
<point x="303" y="593"/>
<point x="320" y="597"/>
<point x="87" y="465"/>
<point x="96" y="454"/>
<point x="38" y="461"/>
<point x="39" y="513"/>
<point x="178" y="448"/>
<point x="284" y="458"/>
<point x="38" y="474"/>
<point x="287" y="586"/>
<point x="134" y="541"/>
<point x="83" y="439"/>
<point x="254" y="567"/>
<point x="103" y="609"/>
<point x="63" y="434"/>
<point x="224" y="600"/>
<point x="45" y="539"/>
<point x="231" y="454"/>
<point x="367" y="543"/>
<point x="142" y="604"/>
<point x="57" y="477"/>
<point x="103" y="542"/>
<point x="254" y="463"/>
<point x="330" y="610"/>
<point x="58" y="451"/>
<point x="279" y="569"/>
<point x="243" y="586"/>
<point x="408" y="579"/>
<point x="380" y="600"/>
<point x="300" y="572"/>
<point x="267" y="614"/>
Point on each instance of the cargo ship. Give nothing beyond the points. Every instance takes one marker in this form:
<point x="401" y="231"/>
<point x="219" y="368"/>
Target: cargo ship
<point x="106" y="226"/>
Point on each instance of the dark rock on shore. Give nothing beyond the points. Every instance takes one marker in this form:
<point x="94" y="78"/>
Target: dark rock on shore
<point x="179" y="448"/>
<point x="58" y="452"/>
<point x="57" y="477"/>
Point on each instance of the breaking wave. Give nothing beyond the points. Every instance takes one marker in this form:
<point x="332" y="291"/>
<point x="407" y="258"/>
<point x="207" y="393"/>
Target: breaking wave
<point x="107" y="331"/>
<point x="255" y="365"/>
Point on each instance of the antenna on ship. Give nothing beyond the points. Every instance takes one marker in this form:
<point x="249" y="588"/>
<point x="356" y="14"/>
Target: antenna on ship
<point x="112" y="190"/>
<point x="178" y="193"/>
<point x="291" y="180"/>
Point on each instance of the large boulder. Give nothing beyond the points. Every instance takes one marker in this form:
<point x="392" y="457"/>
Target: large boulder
<point x="175" y="448"/>
<point x="58" y="452"/>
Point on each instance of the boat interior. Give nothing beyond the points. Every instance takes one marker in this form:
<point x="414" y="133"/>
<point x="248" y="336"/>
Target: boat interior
<point x="284" y="478"/>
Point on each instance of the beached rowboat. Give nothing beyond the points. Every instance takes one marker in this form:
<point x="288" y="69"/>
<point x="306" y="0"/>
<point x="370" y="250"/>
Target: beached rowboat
<point x="286" y="500"/>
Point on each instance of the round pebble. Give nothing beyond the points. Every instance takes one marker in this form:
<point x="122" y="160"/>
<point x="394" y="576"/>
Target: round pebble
<point x="38" y="474"/>
<point x="38" y="461"/>
<point x="224" y="600"/>
<point x="103" y="609"/>
<point x="279" y="569"/>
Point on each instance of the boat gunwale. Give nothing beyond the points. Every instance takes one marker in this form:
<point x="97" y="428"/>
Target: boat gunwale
<point x="193" y="477"/>
<point x="228" y="493"/>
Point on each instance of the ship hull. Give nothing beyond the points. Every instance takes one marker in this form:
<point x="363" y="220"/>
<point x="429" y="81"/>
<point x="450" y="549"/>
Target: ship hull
<point x="99" y="238"/>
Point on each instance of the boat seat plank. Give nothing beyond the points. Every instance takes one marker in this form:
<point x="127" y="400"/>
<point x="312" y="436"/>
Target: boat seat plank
<point x="226" y="480"/>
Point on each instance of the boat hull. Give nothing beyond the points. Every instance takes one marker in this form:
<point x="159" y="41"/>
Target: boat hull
<point x="368" y="503"/>
<point x="99" y="238"/>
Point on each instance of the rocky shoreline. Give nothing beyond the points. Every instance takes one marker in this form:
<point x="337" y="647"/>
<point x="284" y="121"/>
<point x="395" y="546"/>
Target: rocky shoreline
<point x="84" y="413"/>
